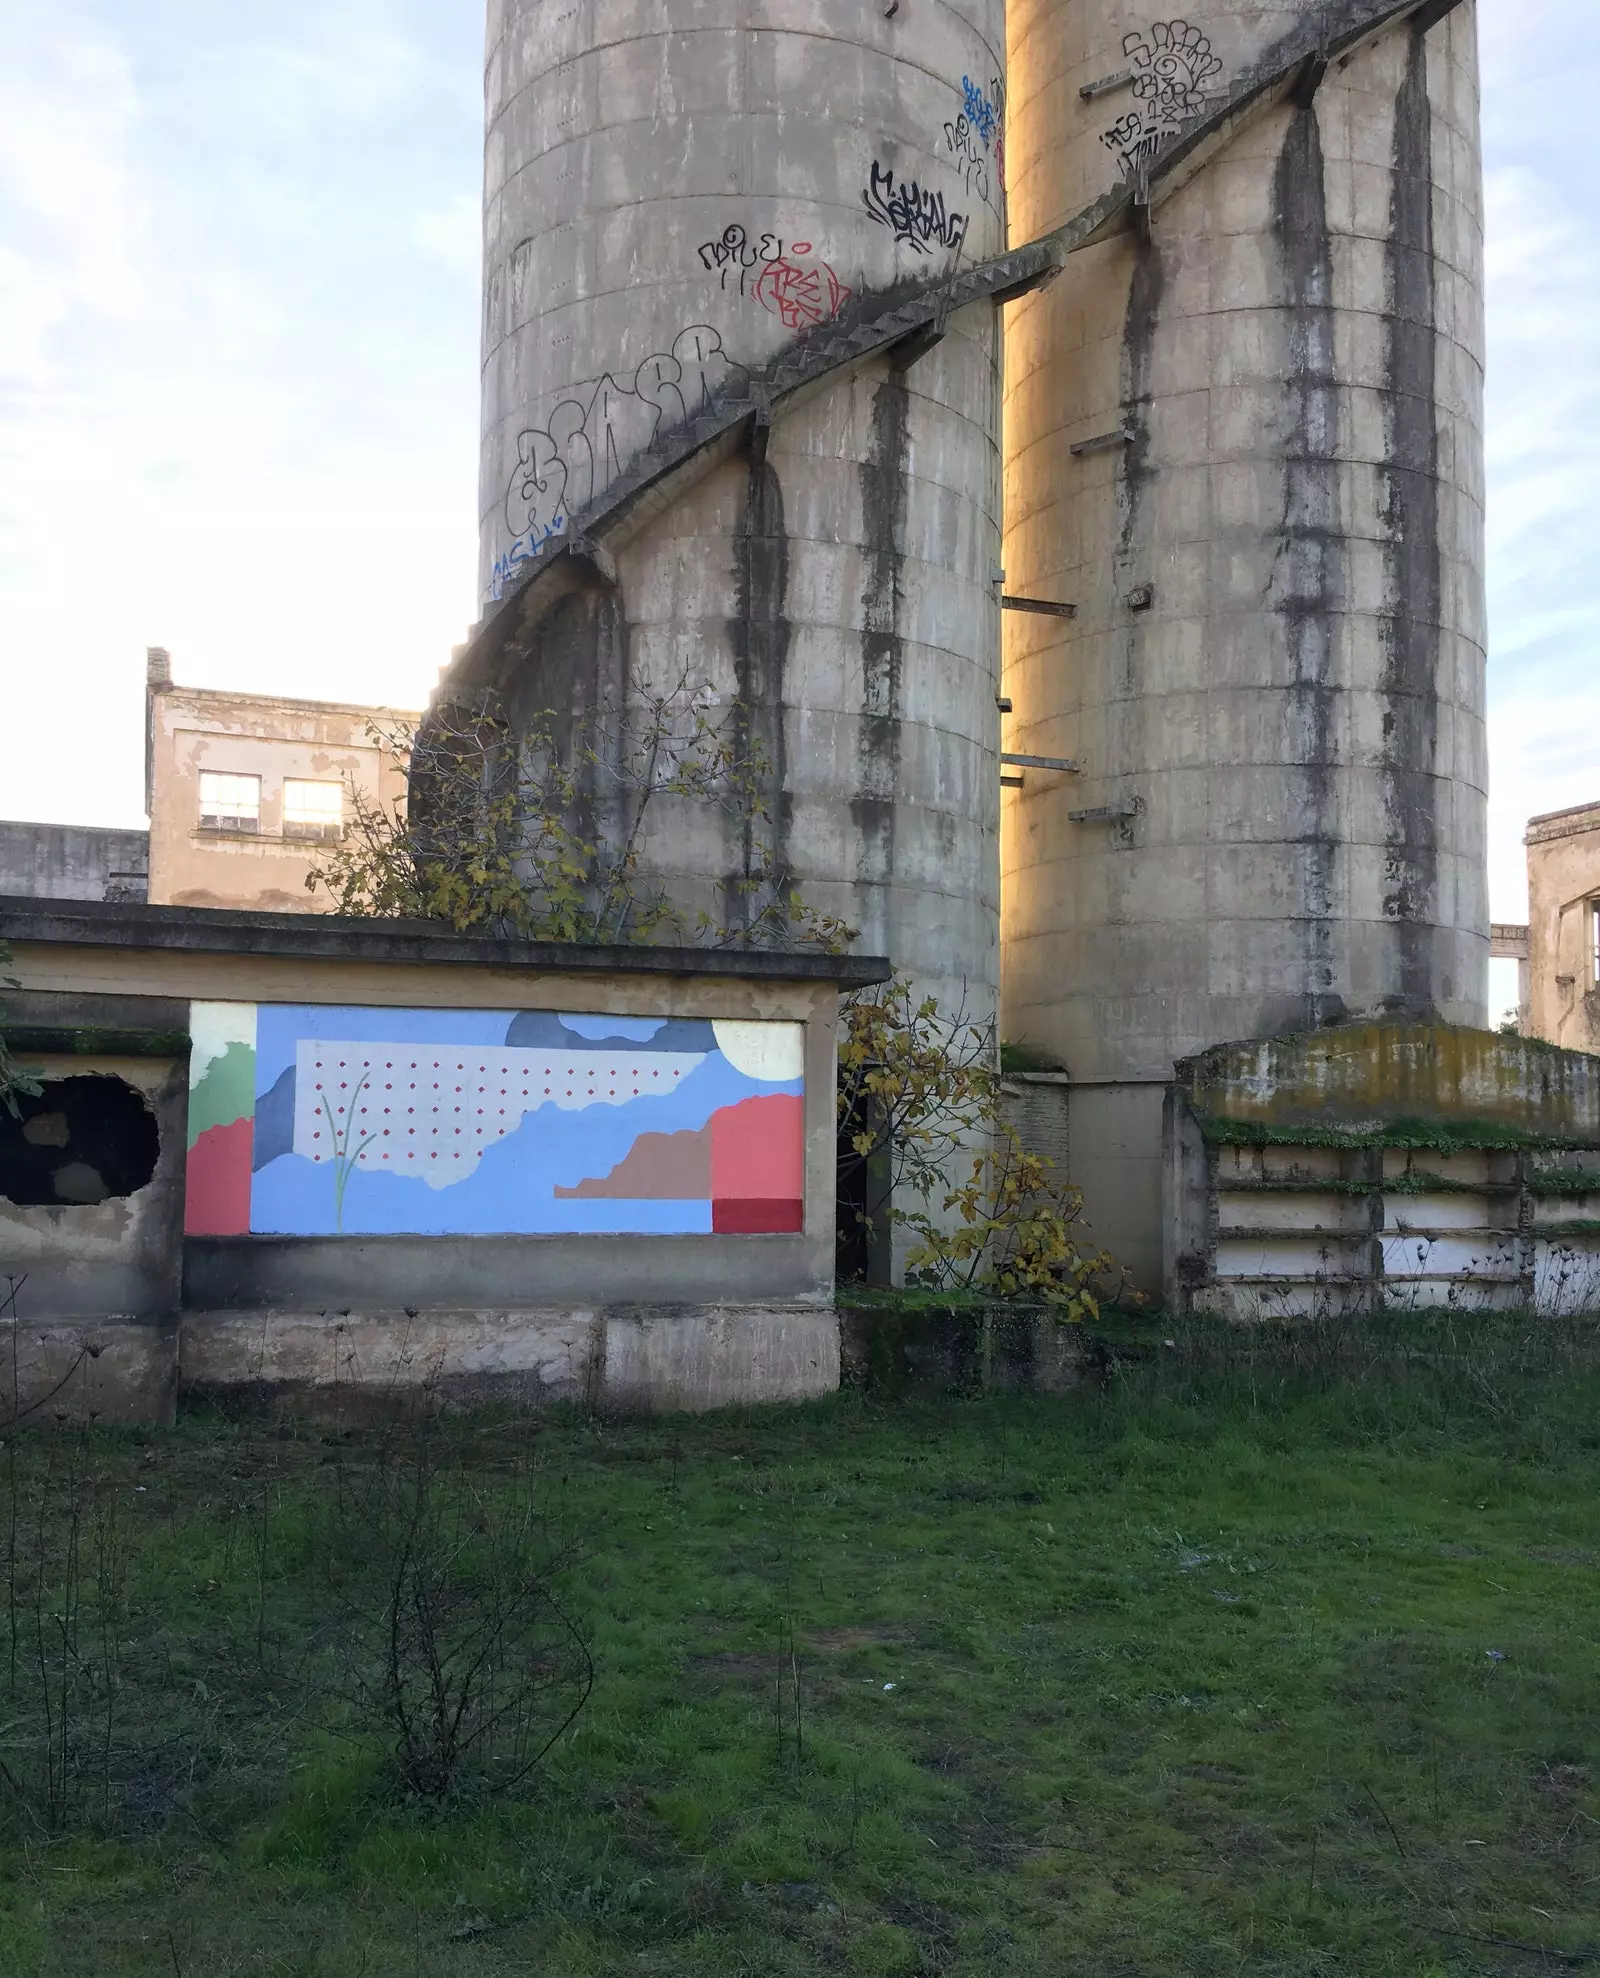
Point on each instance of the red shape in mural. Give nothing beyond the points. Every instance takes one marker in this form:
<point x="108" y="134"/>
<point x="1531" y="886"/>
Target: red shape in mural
<point x="800" y="296"/>
<point x="758" y="1166"/>
<point x="217" y="1186"/>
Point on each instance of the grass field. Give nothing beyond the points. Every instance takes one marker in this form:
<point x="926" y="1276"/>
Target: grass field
<point x="1253" y="1659"/>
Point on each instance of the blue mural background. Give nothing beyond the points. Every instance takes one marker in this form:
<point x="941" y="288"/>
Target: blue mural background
<point x="510" y="1191"/>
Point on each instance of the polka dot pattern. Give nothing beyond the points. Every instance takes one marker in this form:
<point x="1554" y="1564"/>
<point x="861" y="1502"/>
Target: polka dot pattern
<point x="430" y="1111"/>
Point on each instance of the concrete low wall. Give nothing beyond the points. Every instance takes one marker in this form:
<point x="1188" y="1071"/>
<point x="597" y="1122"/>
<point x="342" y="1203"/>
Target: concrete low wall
<point x="624" y="1359"/>
<point x="1386" y="1166"/>
<point x="117" y="1256"/>
<point x="630" y="1359"/>
<point x="962" y="1350"/>
<point x="114" y="1369"/>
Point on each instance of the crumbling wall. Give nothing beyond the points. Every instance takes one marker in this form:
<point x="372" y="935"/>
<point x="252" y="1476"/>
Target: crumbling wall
<point x="1383" y="1166"/>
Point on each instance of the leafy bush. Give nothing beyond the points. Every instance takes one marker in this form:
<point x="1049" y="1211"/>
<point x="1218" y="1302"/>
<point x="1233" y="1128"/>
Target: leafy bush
<point x="919" y="1105"/>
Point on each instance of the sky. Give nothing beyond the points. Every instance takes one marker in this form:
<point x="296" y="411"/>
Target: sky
<point x="239" y="357"/>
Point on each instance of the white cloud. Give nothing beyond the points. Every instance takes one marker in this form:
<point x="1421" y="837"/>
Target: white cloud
<point x="236" y="397"/>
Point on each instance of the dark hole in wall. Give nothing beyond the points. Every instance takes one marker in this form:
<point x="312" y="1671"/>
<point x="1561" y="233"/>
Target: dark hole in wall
<point x="81" y="1141"/>
<point x="863" y="1251"/>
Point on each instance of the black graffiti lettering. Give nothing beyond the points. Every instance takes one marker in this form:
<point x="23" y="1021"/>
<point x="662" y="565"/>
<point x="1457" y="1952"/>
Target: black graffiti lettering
<point x="969" y="157"/>
<point x="590" y="437"/>
<point x="1170" y="69"/>
<point x="733" y="254"/>
<point x="913" y="215"/>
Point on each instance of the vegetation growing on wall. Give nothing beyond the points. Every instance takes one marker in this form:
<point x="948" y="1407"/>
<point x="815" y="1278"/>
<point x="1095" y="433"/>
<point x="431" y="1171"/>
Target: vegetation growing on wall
<point x="15" y="1083"/>
<point x="541" y="831"/>
<point x="919" y="1113"/>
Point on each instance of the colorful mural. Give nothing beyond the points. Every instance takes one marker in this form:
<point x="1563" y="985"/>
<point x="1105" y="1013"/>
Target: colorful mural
<point x="327" y="1121"/>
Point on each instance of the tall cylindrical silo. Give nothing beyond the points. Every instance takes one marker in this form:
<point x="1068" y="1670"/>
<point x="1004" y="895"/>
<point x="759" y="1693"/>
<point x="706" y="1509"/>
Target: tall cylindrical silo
<point x="674" y="195"/>
<point x="1244" y="440"/>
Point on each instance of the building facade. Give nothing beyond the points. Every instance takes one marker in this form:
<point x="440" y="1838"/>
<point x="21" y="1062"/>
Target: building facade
<point x="1562" y="937"/>
<point x="243" y="790"/>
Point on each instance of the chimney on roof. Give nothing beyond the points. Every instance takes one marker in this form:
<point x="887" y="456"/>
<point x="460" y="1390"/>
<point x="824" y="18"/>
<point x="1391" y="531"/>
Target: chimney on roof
<point x="157" y="666"/>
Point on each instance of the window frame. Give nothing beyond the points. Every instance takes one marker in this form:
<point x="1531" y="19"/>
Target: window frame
<point x="225" y="818"/>
<point x="326" y="829"/>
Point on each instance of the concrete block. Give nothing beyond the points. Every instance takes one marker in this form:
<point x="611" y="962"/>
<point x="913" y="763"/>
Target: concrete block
<point x="117" y="1368"/>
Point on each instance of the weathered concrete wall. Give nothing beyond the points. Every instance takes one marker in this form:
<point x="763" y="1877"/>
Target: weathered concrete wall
<point x="1394" y="1166"/>
<point x="962" y="1349"/>
<point x="643" y="1360"/>
<point x="194" y="729"/>
<point x="110" y="1258"/>
<point x="1275" y="548"/>
<point x="831" y="589"/>
<point x="627" y="1322"/>
<point x="1359" y="1080"/>
<point x="1563" y="992"/>
<point x="73" y="862"/>
<point x="1116" y="1139"/>
<point x="666" y="197"/>
<point x="92" y="1331"/>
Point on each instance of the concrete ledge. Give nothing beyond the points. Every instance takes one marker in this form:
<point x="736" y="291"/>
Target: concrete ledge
<point x="713" y="1357"/>
<point x="115" y="1369"/>
<point x="636" y="1360"/>
<point x="332" y="937"/>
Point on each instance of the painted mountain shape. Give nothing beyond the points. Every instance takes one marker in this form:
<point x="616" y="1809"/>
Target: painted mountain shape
<point x="658" y="1167"/>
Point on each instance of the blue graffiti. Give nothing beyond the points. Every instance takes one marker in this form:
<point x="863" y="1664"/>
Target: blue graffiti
<point x="523" y="550"/>
<point x="980" y="112"/>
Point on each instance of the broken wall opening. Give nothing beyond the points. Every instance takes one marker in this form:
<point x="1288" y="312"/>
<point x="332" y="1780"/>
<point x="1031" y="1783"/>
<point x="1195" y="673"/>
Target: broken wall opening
<point x="78" y="1142"/>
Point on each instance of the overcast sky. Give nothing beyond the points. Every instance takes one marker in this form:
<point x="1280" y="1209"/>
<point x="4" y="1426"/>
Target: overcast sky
<point x="238" y="374"/>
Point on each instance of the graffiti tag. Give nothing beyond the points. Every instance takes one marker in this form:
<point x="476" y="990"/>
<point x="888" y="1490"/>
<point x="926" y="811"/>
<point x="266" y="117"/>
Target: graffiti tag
<point x="800" y="295"/>
<point x="734" y="253"/>
<point x="970" y="158"/>
<point x="522" y="551"/>
<point x="800" y="292"/>
<point x="588" y="439"/>
<point x="1170" y="69"/>
<point x="913" y="214"/>
<point x="977" y="133"/>
<point x="981" y="112"/>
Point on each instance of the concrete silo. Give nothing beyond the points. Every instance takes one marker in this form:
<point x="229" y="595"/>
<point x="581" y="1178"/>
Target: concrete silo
<point x="1243" y="440"/>
<point x="690" y="213"/>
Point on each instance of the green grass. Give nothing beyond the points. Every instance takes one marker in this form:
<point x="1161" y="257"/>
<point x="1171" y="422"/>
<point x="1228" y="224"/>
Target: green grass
<point x="1188" y="1674"/>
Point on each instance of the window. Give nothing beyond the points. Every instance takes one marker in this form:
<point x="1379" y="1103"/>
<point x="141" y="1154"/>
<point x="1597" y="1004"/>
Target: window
<point x="229" y="803"/>
<point x="1594" y="944"/>
<point x="312" y="810"/>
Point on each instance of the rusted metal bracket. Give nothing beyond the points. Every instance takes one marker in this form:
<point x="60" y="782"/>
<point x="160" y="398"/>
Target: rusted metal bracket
<point x="1101" y="443"/>
<point x="1045" y="607"/>
<point x="1060" y="762"/>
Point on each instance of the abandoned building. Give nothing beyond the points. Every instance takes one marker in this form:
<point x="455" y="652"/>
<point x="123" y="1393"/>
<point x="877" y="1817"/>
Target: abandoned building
<point x="1052" y="437"/>
<point x="241" y="790"/>
<point x="1558" y="951"/>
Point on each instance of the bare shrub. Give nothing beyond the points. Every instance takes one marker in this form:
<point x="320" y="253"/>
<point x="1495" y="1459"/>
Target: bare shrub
<point x="454" y="1641"/>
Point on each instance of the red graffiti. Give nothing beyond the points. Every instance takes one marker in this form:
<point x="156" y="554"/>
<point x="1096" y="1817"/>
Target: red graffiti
<point x="800" y="296"/>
